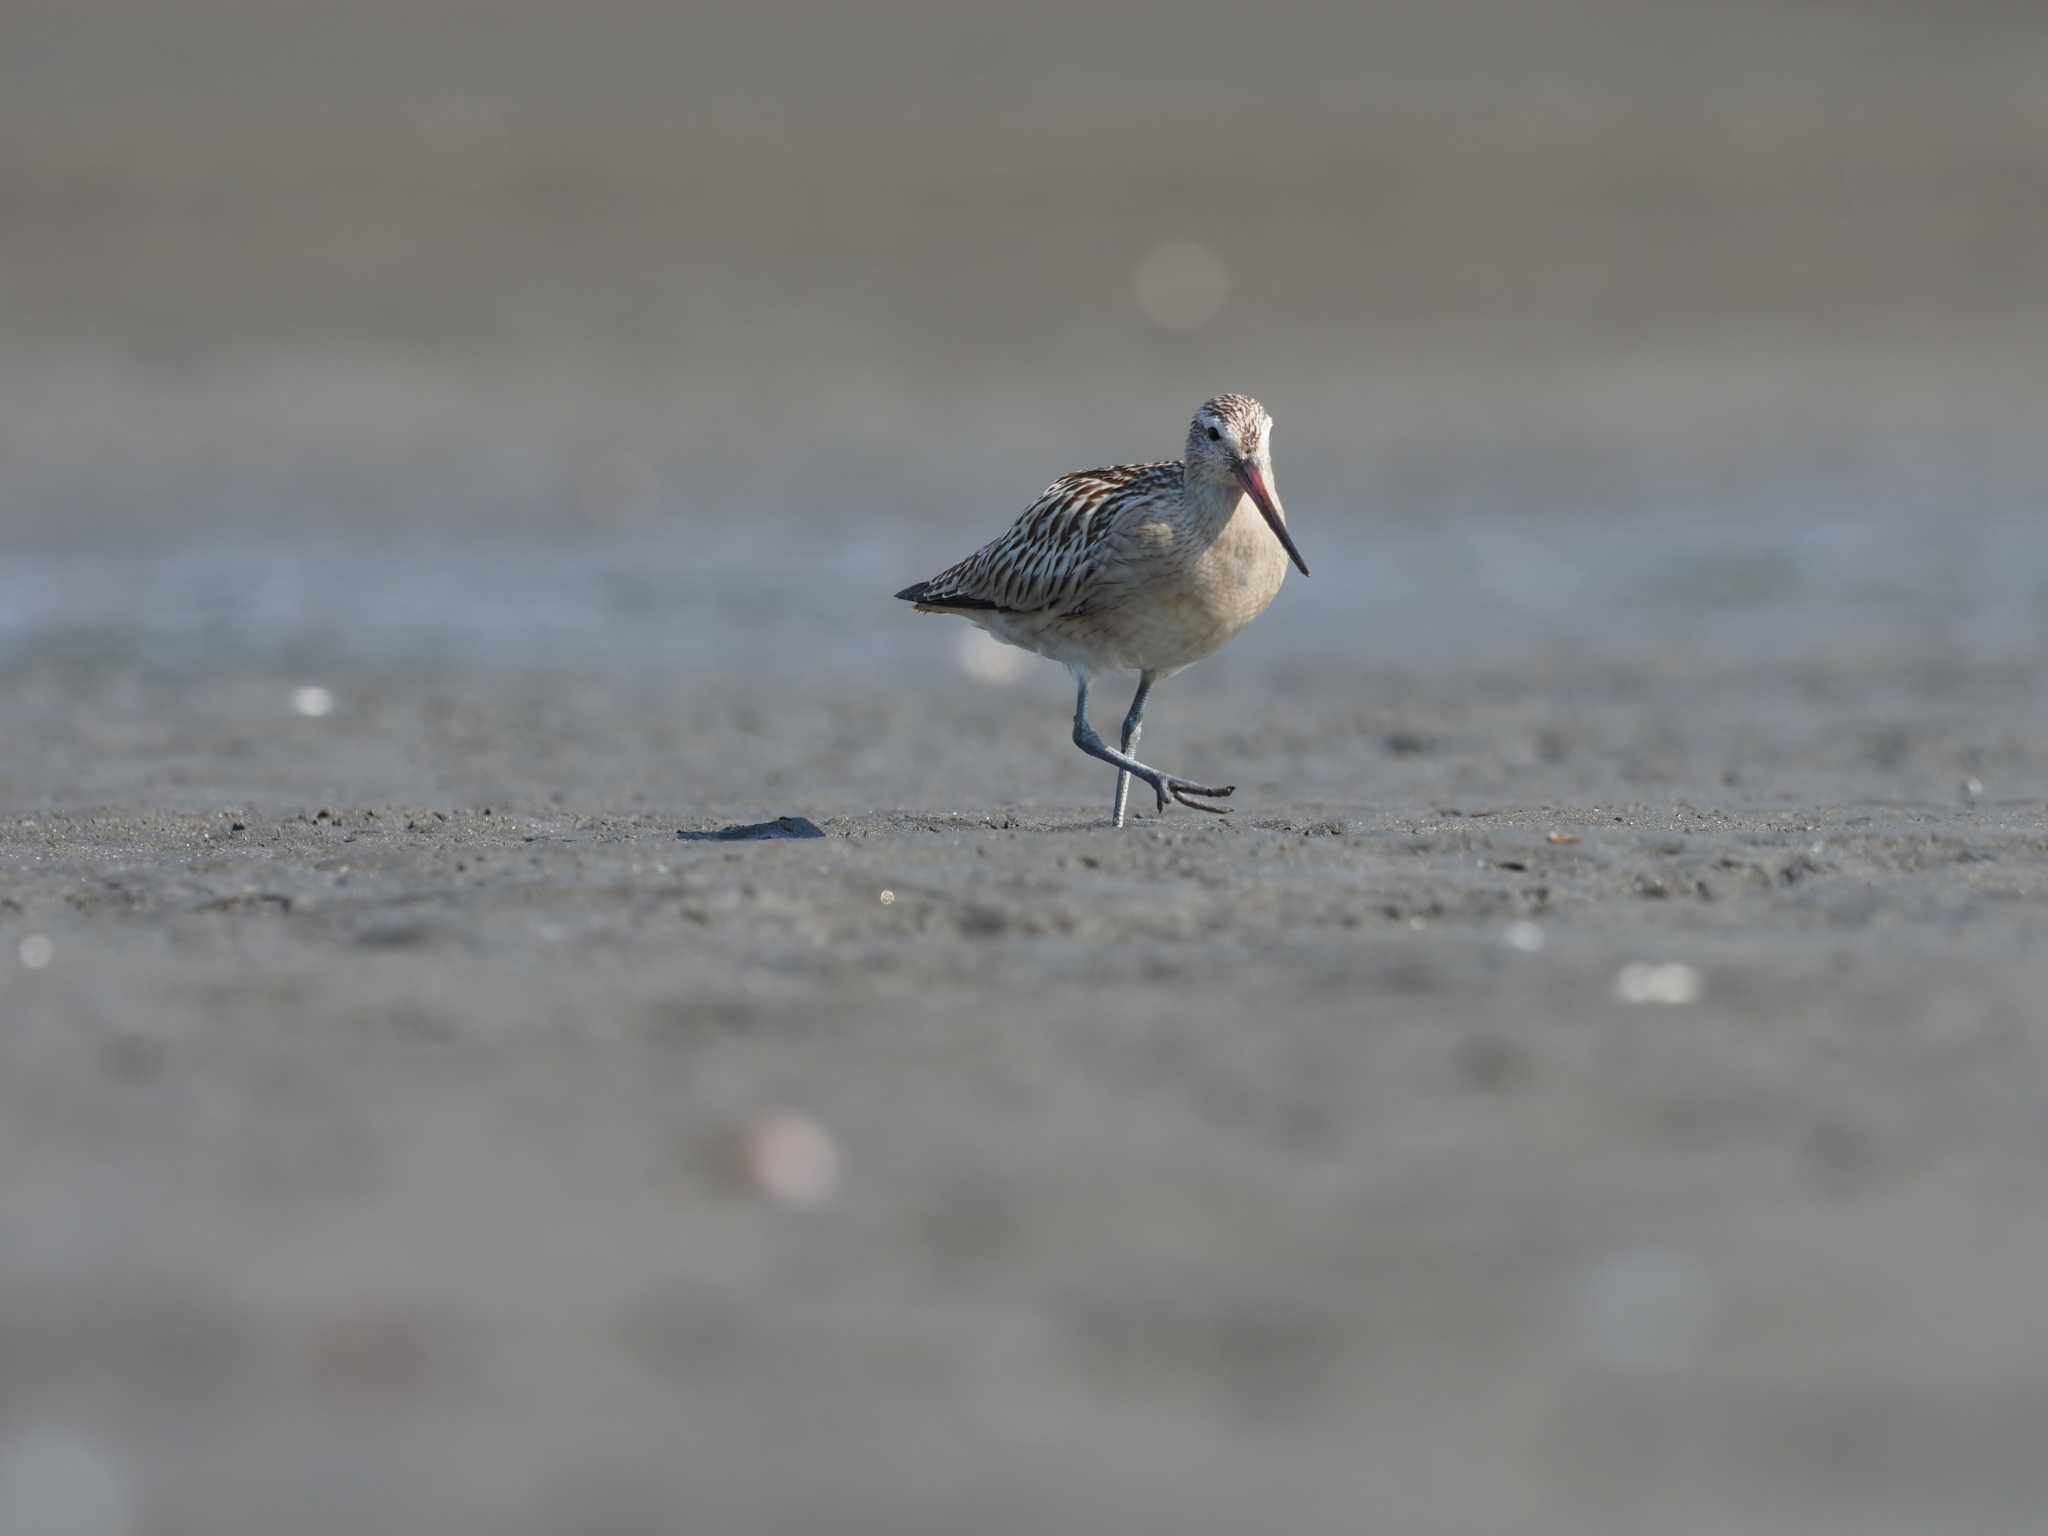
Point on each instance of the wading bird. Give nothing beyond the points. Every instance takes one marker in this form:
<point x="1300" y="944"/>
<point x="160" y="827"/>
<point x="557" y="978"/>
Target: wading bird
<point x="1142" y="568"/>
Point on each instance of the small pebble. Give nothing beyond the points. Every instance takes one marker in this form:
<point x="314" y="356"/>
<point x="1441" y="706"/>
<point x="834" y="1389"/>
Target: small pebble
<point x="1672" y="985"/>
<point x="1526" y="936"/>
<point x="312" y="701"/>
<point x="792" y="1159"/>
<point x="36" y="950"/>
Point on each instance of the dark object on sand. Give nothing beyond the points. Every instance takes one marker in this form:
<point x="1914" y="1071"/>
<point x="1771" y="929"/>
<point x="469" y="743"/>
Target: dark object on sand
<point x="781" y="826"/>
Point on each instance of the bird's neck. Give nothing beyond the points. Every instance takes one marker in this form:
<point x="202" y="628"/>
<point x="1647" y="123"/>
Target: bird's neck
<point x="1212" y="499"/>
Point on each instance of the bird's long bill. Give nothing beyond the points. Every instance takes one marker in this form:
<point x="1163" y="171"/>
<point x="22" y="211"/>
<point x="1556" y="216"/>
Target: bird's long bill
<point x="1269" y="504"/>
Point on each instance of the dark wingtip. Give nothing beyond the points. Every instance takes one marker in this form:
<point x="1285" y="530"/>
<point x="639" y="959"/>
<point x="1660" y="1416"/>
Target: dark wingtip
<point x="923" y="593"/>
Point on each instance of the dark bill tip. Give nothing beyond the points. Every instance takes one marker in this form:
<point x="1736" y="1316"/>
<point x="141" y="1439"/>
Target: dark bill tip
<point x="1269" y="507"/>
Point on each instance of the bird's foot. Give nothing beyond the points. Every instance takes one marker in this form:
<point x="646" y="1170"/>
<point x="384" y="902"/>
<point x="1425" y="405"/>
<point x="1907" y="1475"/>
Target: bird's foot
<point x="1166" y="784"/>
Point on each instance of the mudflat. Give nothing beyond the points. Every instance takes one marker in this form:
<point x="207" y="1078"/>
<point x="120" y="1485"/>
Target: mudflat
<point x="453" y="472"/>
<point x="1540" y="1102"/>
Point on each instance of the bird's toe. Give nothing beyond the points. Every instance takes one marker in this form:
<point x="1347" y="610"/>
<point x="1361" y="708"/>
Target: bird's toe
<point x="1181" y="789"/>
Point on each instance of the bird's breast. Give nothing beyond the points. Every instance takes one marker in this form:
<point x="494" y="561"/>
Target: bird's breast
<point x="1190" y="590"/>
<point x="1239" y="573"/>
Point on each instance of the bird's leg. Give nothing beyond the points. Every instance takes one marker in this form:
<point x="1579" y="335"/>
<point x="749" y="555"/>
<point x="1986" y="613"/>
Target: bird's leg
<point x="1163" y="784"/>
<point x="1134" y="724"/>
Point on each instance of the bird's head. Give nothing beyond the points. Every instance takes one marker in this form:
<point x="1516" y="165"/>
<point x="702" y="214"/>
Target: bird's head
<point x="1230" y="443"/>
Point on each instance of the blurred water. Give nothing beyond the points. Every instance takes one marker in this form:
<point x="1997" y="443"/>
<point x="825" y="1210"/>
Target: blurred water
<point x="1485" y="592"/>
<point x="1596" y="335"/>
<point x="1475" y="571"/>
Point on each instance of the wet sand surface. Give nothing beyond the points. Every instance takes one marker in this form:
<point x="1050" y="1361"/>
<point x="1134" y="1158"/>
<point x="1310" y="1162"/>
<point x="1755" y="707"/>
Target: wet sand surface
<point x="1594" y="1080"/>
<point x="376" y="1153"/>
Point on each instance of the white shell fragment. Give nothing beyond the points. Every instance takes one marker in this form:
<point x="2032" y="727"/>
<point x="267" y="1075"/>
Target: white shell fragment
<point x="1673" y="984"/>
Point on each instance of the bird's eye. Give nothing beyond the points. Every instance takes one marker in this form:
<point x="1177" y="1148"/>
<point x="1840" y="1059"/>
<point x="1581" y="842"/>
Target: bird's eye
<point x="1215" y="436"/>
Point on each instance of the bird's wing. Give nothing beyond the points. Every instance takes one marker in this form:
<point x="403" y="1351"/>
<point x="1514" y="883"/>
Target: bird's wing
<point x="1043" y="563"/>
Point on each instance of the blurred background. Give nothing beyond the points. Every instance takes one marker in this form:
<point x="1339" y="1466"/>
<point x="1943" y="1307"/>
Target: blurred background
<point x="518" y="331"/>
<point x="448" y="446"/>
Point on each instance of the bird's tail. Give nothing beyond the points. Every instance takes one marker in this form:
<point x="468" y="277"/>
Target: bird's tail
<point x="931" y="595"/>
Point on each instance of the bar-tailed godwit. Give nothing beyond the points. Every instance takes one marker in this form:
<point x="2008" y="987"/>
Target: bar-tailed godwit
<point x="1142" y="568"/>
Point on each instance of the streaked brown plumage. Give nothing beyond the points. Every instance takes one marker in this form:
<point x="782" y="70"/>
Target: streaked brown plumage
<point x="1138" y="567"/>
